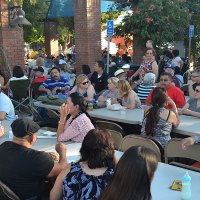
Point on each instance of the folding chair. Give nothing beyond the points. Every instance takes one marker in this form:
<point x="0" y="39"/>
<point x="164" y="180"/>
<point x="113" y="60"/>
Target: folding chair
<point x="20" y="93"/>
<point x="6" y="193"/>
<point x="36" y="116"/>
<point x="117" y="138"/>
<point x="110" y="126"/>
<point x="174" y="150"/>
<point x="135" y="140"/>
<point x="35" y="93"/>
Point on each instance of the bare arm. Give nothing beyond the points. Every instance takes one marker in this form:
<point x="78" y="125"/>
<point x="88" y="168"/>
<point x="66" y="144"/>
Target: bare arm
<point x="56" y="192"/>
<point x="64" y="111"/>
<point x="2" y="115"/>
<point x="5" y="87"/>
<point x="155" y="68"/>
<point x="190" y="112"/>
<point x="174" y="117"/>
<point x="43" y="89"/>
<point x="58" y="166"/>
<point x="90" y="93"/>
<point x="132" y="101"/>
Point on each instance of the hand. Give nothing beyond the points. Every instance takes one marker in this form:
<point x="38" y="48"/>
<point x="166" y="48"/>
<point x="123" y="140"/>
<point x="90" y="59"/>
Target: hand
<point x="60" y="148"/>
<point x="54" y="90"/>
<point x="171" y="102"/>
<point x="64" y="110"/>
<point x="48" y="92"/>
<point x="186" y="111"/>
<point x="187" y="142"/>
<point x="180" y="112"/>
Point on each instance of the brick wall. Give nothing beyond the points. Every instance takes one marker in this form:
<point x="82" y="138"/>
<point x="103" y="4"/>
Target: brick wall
<point x="11" y="40"/>
<point x="87" y="21"/>
<point x="51" y="39"/>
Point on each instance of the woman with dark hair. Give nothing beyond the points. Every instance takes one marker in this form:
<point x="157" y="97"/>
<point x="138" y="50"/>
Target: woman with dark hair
<point x="2" y="79"/>
<point x="88" y="177"/>
<point x="133" y="175"/>
<point x="18" y="74"/>
<point x="86" y="70"/>
<point x="192" y="107"/>
<point x="158" y="120"/>
<point x="79" y="123"/>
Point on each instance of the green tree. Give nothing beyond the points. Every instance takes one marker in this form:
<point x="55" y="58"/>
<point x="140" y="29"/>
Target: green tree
<point x="161" y="20"/>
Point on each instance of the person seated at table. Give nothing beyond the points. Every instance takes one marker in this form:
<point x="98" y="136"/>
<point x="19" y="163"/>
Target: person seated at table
<point x="18" y="74"/>
<point x="177" y="80"/>
<point x="84" y="88"/>
<point x="127" y="96"/>
<point x="158" y="120"/>
<point x="39" y="75"/>
<point x="79" y="123"/>
<point x="195" y="78"/>
<point x="192" y="107"/>
<point x="88" y="177"/>
<point x="55" y="83"/>
<point x="7" y="110"/>
<point x="112" y="91"/>
<point x="133" y="175"/>
<point x="189" y="141"/>
<point x="99" y="77"/>
<point x="175" y="93"/>
<point x="24" y="169"/>
<point x="144" y="88"/>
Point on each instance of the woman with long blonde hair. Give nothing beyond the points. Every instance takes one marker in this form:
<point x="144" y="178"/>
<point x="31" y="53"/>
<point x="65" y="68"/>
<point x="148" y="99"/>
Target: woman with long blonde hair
<point x="84" y="87"/>
<point x="127" y="96"/>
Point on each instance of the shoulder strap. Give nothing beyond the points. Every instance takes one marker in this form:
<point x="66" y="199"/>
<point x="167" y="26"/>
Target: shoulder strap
<point x="168" y="115"/>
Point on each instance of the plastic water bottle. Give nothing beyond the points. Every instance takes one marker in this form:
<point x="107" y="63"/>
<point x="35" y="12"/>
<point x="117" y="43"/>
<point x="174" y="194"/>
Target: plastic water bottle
<point x="186" y="187"/>
<point x="1" y="129"/>
<point x="10" y="135"/>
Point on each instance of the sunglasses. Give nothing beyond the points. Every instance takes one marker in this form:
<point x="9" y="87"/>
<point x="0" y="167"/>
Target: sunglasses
<point x="84" y="83"/>
<point x="197" y="91"/>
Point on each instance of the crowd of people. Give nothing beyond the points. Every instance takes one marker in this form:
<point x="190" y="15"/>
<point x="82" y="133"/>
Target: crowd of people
<point x="98" y="174"/>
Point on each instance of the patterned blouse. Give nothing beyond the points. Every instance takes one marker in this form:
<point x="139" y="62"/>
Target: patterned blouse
<point x="76" y="129"/>
<point x="78" y="185"/>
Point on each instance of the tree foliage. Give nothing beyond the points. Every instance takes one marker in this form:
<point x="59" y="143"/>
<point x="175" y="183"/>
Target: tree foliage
<point x="161" y="20"/>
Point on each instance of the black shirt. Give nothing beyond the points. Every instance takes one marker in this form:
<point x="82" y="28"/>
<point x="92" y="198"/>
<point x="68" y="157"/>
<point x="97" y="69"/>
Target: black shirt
<point x="99" y="83"/>
<point x="23" y="169"/>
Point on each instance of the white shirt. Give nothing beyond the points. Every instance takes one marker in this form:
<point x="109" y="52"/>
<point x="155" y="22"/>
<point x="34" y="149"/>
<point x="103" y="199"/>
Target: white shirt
<point x="7" y="106"/>
<point x="176" y="61"/>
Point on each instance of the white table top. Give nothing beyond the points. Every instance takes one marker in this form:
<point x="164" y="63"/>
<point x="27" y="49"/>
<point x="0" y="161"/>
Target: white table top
<point x="189" y="125"/>
<point x="134" y="116"/>
<point x="43" y="105"/>
<point x="163" y="178"/>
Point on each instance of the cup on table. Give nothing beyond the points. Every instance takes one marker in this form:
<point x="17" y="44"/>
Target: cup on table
<point x="123" y="110"/>
<point x="90" y="107"/>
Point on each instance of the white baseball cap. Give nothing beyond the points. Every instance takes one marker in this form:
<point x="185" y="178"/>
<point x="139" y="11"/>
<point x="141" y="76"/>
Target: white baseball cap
<point x="126" y="66"/>
<point x="119" y="72"/>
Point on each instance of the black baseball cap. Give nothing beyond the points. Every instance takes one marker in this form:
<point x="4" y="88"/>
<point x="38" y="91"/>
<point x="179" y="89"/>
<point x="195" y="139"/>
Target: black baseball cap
<point x="24" y="126"/>
<point x="39" y="69"/>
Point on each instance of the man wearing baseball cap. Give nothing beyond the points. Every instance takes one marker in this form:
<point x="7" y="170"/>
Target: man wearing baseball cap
<point x="177" y="79"/>
<point x="24" y="169"/>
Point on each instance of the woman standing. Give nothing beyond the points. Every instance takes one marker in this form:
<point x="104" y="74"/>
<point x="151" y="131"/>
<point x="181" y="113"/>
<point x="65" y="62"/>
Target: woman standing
<point x="88" y="177"/>
<point x="84" y="88"/>
<point x="158" y="120"/>
<point x="133" y="176"/>
<point x="127" y="96"/>
<point x="148" y="65"/>
<point x="79" y="123"/>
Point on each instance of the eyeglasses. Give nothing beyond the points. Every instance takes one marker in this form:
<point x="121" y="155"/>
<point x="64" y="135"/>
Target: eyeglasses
<point x="197" y="91"/>
<point x="84" y="83"/>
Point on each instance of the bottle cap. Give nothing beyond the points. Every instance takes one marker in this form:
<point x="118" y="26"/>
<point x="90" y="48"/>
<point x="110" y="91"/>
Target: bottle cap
<point x="186" y="177"/>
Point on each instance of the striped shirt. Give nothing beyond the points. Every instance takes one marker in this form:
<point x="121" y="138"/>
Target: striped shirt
<point x="50" y="84"/>
<point x="143" y="92"/>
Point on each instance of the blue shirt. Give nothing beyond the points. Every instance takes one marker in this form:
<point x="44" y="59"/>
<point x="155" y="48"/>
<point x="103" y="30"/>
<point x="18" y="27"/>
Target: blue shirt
<point x="50" y="84"/>
<point x="7" y="106"/>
